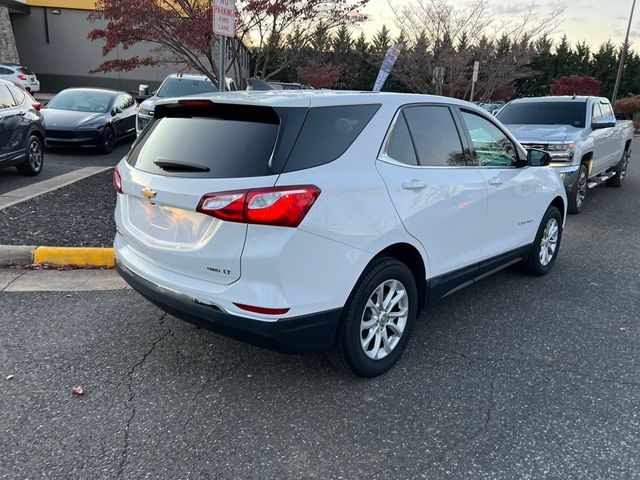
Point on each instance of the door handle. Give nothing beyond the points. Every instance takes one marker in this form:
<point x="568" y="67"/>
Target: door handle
<point x="414" y="185"/>
<point x="495" y="181"/>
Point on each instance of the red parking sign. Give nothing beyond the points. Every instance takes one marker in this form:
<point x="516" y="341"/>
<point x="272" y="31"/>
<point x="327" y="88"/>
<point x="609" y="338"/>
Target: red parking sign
<point x="224" y="17"/>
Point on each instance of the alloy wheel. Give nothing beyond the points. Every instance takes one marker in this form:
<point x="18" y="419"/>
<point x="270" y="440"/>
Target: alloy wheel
<point x="581" y="192"/>
<point x="549" y="242"/>
<point x="623" y="167"/>
<point x="108" y="138"/>
<point x="384" y="319"/>
<point x="35" y="155"/>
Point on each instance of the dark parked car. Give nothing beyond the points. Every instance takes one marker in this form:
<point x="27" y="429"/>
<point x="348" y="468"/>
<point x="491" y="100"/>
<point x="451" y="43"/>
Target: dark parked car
<point x="21" y="130"/>
<point x="81" y="117"/>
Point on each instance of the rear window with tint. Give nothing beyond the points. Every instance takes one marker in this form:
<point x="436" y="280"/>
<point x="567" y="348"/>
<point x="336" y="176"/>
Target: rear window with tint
<point x="228" y="148"/>
<point x="327" y="133"/>
<point x="25" y="70"/>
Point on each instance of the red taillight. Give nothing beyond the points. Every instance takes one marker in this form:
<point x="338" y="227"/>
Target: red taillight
<point x="117" y="180"/>
<point x="279" y="206"/>
<point x="263" y="310"/>
<point x="36" y="105"/>
<point x="22" y="77"/>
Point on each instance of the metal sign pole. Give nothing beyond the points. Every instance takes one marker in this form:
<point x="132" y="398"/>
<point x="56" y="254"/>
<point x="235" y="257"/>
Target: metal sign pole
<point x="476" y="67"/>
<point x="222" y="81"/>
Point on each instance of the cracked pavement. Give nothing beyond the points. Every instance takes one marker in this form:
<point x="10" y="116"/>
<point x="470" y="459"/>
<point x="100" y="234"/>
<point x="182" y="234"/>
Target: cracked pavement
<point x="514" y="377"/>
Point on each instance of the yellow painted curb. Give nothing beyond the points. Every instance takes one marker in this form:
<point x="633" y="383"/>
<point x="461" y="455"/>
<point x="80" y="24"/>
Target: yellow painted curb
<point x="96" y="257"/>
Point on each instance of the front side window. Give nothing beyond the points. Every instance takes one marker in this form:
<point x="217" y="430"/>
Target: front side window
<point x="492" y="147"/>
<point x="435" y="136"/>
<point x="597" y="113"/>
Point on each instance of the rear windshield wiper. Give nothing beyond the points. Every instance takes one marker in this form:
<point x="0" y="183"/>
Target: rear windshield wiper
<point x="172" y="166"/>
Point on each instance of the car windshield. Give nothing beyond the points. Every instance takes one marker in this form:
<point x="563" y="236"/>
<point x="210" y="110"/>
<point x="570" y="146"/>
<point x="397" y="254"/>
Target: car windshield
<point x="544" y="113"/>
<point x="82" y="101"/>
<point x="181" y="87"/>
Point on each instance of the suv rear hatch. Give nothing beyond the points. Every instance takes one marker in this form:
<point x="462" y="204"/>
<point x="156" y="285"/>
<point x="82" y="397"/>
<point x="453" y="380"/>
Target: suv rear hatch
<point x="192" y="148"/>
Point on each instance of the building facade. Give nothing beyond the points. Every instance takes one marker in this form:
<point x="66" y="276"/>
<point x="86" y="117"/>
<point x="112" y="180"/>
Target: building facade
<point x="50" y="38"/>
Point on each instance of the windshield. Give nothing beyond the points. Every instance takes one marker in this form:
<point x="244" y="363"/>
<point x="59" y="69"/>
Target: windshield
<point x="181" y="87"/>
<point x="82" y="101"/>
<point x="544" y="113"/>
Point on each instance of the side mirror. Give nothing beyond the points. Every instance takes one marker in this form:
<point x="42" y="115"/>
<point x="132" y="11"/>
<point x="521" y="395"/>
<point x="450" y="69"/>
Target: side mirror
<point x="603" y="124"/>
<point x="538" y="158"/>
<point x="115" y="111"/>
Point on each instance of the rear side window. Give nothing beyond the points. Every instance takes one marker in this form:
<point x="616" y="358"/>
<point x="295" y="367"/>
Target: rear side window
<point x="400" y="146"/>
<point x="436" y="137"/>
<point x="205" y="147"/>
<point x="6" y="100"/>
<point x="5" y="71"/>
<point x="327" y="133"/>
<point x="17" y="93"/>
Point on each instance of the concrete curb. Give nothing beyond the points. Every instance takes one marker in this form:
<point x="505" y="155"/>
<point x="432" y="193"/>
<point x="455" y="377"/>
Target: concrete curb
<point x="81" y="256"/>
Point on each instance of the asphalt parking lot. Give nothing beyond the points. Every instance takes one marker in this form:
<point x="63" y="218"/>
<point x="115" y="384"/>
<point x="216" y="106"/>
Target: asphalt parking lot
<point x="60" y="161"/>
<point x="514" y="377"/>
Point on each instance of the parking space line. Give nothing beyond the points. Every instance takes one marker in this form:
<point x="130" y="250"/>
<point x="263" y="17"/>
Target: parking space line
<point x="23" y="194"/>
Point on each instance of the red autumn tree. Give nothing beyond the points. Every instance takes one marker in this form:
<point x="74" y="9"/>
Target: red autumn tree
<point x="575" y="85"/>
<point x="319" y="75"/>
<point x="182" y="31"/>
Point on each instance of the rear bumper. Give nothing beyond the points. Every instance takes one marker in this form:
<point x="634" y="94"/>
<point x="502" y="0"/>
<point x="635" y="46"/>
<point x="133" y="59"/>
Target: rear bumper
<point x="304" y="334"/>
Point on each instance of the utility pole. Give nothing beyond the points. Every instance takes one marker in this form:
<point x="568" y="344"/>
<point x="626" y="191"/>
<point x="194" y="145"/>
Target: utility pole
<point x="623" y="55"/>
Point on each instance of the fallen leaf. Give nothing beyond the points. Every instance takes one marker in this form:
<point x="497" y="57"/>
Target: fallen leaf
<point x="9" y="377"/>
<point x="622" y="329"/>
<point x="77" y="390"/>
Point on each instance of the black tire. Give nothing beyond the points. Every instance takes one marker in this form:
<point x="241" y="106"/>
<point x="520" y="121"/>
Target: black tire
<point x="621" y="171"/>
<point x="348" y="351"/>
<point x="108" y="140"/>
<point x="534" y="264"/>
<point x="578" y="193"/>
<point x="32" y="165"/>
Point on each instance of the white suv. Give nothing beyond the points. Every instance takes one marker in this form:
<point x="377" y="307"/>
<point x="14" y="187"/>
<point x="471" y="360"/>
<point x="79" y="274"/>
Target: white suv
<point x="325" y="221"/>
<point x="20" y="75"/>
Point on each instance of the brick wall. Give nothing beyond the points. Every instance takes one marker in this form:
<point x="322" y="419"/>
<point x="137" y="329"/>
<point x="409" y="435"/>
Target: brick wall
<point x="8" y="50"/>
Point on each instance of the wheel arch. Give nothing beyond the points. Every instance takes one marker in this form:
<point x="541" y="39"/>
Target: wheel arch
<point x="37" y="133"/>
<point x="587" y="159"/>
<point x="559" y="203"/>
<point x="414" y="260"/>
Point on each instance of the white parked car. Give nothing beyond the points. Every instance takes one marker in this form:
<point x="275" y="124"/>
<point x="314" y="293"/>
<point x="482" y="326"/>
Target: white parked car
<point x="326" y="221"/>
<point x="20" y="75"/>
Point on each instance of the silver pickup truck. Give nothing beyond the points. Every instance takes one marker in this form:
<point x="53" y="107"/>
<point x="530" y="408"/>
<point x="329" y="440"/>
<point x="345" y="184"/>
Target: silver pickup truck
<point x="586" y="143"/>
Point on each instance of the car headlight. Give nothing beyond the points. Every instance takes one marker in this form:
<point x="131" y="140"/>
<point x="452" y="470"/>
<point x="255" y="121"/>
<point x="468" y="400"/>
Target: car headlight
<point x="562" y="151"/>
<point x="144" y="111"/>
<point x="90" y="126"/>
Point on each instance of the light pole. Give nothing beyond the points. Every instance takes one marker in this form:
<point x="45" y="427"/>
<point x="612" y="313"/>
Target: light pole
<point x="623" y="55"/>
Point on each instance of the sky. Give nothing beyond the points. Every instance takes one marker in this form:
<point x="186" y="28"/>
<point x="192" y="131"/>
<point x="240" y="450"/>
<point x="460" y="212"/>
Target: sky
<point x="594" y="21"/>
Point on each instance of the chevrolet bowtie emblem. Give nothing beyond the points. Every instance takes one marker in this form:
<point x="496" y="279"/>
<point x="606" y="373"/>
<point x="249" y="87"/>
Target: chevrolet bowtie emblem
<point x="148" y="193"/>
